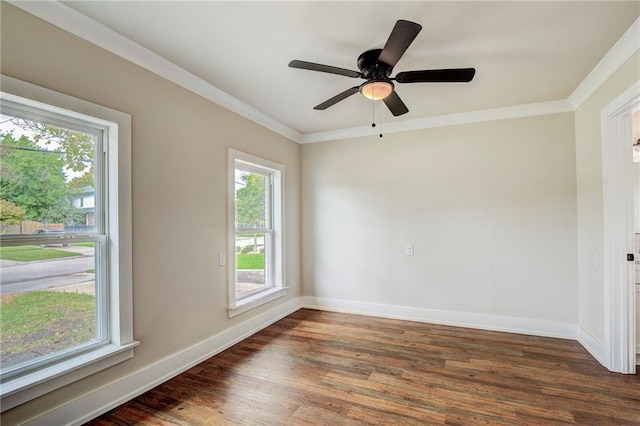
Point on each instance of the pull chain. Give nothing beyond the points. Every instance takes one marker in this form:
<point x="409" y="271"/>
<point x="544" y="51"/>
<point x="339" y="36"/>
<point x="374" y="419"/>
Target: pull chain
<point x="380" y="119"/>
<point x="373" y="113"/>
<point x="373" y="108"/>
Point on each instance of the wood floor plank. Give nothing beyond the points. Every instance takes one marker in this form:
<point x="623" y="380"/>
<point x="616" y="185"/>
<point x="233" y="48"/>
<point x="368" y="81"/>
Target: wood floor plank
<point x="324" y="368"/>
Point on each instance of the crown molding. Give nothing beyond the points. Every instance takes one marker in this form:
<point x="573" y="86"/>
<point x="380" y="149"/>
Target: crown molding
<point x="74" y="22"/>
<point x="78" y="24"/>
<point x="528" y="110"/>
<point x="624" y="48"/>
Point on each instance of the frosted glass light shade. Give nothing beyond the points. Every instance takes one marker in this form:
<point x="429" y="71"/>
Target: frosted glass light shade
<point x="376" y="89"/>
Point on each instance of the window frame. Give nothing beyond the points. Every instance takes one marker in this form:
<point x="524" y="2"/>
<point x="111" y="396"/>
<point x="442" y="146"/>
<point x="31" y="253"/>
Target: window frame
<point x="275" y="286"/>
<point x="97" y="236"/>
<point x="115" y="261"/>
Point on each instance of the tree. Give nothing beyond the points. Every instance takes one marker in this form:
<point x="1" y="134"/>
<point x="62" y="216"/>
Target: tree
<point x="10" y="214"/>
<point x="250" y="203"/>
<point x="33" y="179"/>
<point x="77" y="149"/>
<point x="250" y="206"/>
<point x="87" y="179"/>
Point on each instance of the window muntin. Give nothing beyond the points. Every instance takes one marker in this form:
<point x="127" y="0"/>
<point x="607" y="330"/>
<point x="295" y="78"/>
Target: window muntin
<point x="256" y="220"/>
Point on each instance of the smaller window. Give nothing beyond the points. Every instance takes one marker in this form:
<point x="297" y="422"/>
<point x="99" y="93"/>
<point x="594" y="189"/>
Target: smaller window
<point x="255" y="231"/>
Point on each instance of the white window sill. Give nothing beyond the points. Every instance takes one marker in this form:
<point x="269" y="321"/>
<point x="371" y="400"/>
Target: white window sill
<point x="24" y="388"/>
<point x="256" y="300"/>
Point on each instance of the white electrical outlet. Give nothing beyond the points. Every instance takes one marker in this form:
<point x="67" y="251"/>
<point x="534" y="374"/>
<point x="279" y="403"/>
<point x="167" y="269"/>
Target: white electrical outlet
<point x="408" y="250"/>
<point x="596" y="261"/>
<point x="222" y="259"/>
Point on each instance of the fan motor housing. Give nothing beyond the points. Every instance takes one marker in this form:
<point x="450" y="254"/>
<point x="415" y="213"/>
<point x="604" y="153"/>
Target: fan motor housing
<point x="372" y="68"/>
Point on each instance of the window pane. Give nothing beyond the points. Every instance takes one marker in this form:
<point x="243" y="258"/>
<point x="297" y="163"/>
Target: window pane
<point x="47" y="300"/>
<point x="47" y="178"/>
<point x="250" y="263"/>
<point x="251" y="200"/>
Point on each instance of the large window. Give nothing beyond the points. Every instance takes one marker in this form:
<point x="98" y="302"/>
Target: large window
<point x="256" y="223"/>
<point x="65" y="282"/>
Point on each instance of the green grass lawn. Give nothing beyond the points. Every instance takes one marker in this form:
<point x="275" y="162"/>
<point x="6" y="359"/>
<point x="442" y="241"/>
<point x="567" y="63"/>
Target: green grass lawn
<point x="43" y="322"/>
<point x="31" y="253"/>
<point x="250" y="261"/>
<point x="86" y="244"/>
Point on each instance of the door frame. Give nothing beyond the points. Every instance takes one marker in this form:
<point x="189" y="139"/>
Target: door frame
<point x="618" y="223"/>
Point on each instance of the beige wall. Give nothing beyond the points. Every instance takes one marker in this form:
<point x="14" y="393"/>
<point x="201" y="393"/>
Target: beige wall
<point x="590" y="206"/>
<point x="489" y="207"/>
<point x="179" y="144"/>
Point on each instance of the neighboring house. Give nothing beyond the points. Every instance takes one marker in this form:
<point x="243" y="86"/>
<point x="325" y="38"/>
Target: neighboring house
<point x="85" y="200"/>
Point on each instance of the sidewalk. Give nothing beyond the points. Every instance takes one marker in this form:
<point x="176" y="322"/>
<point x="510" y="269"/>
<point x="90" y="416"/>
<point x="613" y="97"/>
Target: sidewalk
<point x="87" y="287"/>
<point x="5" y="263"/>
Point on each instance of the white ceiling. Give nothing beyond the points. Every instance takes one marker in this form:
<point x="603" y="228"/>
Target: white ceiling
<point x="524" y="52"/>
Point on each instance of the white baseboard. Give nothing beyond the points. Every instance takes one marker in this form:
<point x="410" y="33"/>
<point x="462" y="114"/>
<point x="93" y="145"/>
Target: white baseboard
<point x="110" y="396"/>
<point x="534" y="327"/>
<point x="594" y="346"/>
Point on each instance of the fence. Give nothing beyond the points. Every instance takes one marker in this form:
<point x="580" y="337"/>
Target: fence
<point x="28" y="227"/>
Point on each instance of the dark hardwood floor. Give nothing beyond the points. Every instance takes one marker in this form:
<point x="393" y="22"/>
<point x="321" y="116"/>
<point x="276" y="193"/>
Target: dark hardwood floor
<point x="316" y="367"/>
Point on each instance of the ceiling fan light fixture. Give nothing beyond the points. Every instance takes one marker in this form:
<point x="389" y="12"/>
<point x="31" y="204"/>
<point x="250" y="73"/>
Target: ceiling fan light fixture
<point x="376" y="67"/>
<point x="376" y="89"/>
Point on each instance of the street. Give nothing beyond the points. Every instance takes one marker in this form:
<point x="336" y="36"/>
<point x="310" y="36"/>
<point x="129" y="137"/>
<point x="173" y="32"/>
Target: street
<point x="27" y="276"/>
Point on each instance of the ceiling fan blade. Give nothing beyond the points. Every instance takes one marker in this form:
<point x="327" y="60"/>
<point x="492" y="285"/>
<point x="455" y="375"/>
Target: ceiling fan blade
<point x="337" y="98"/>
<point x="456" y="75"/>
<point x="402" y="35"/>
<point x="395" y="104"/>
<point x="323" y="68"/>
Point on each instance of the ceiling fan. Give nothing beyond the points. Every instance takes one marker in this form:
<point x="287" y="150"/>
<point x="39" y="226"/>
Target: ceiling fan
<point x="376" y="66"/>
